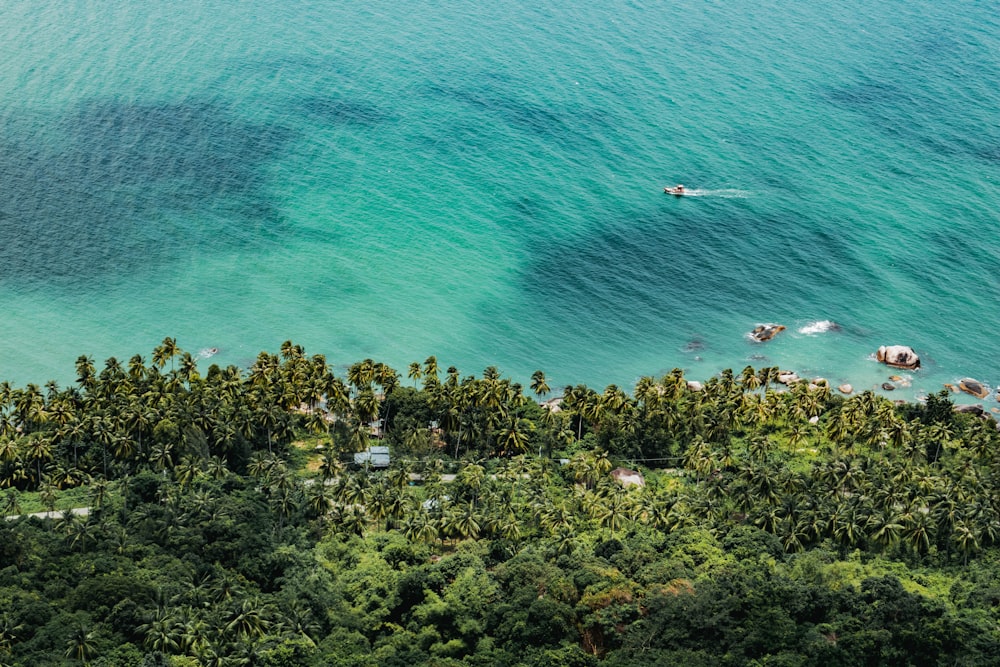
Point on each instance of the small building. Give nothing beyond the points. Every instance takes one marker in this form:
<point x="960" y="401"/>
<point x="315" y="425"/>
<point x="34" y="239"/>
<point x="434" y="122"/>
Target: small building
<point x="375" y="457"/>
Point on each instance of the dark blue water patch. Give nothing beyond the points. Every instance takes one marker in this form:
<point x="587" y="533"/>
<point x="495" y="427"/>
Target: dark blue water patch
<point x="930" y="95"/>
<point x="539" y="119"/>
<point x="125" y="143"/>
<point x="959" y="249"/>
<point x="340" y="111"/>
<point x="928" y="124"/>
<point x="528" y="208"/>
<point x="866" y="93"/>
<point x="527" y="115"/>
<point x="118" y="188"/>
<point x="988" y="152"/>
<point x="657" y="272"/>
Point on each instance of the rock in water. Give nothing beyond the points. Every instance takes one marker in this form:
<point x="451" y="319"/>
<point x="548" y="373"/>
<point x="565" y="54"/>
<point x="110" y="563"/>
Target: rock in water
<point x="845" y="389"/>
<point x="764" y="332"/>
<point x="888" y="386"/>
<point x="899" y="356"/>
<point x="974" y="387"/>
<point x="788" y="378"/>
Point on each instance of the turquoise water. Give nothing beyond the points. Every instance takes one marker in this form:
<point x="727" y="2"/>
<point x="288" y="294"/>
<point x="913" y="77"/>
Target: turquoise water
<point x="484" y="183"/>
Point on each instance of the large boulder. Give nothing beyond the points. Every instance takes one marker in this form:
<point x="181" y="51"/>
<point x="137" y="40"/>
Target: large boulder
<point x="627" y="477"/>
<point x="788" y="378"/>
<point x="845" y="389"/>
<point x="974" y="387"/>
<point x="764" y="332"/>
<point x="898" y="356"/>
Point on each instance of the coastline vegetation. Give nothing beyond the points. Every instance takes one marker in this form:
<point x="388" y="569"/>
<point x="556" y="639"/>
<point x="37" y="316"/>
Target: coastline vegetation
<point x="226" y="525"/>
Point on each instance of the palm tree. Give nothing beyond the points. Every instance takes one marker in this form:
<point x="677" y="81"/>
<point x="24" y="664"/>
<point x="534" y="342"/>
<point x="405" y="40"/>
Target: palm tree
<point x="162" y="631"/>
<point x="417" y="527"/>
<point x="354" y="521"/>
<point x="248" y="620"/>
<point x="614" y="511"/>
<point x="367" y="406"/>
<point x="38" y="447"/>
<point x="361" y="375"/>
<point x="85" y="376"/>
<point x="80" y="531"/>
<point x="189" y="368"/>
<point x="8" y="632"/>
<point x="553" y="518"/>
<point x="195" y="636"/>
<point x="578" y="400"/>
<point x="415" y="373"/>
<point x="750" y="380"/>
<point x="187" y="470"/>
<point x="917" y="530"/>
<point x="514" y="438"/>
<point x="885" y="528"/>
<point x="766" y="376"/>
<point x="81" y="646"/>
<point x="965" y="538"/>
<point x="284" y="502"/>
<point x="538" y="384"/>
<point x="759" y="448"/>
<point x="8" y="450"/>
<point x="319" y="499"/>
<point x="430" y="372"/>
<point x="161" y="456"/>
<point x="463" y="523"/>
<point x="290" y="351"/>
<point x="166" y="351"/>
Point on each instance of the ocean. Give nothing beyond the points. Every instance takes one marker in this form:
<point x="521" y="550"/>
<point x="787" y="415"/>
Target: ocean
<point x="484" y="183"/>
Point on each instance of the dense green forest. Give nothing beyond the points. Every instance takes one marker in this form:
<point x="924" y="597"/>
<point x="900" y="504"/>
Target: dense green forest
<point x="224" y="524"/>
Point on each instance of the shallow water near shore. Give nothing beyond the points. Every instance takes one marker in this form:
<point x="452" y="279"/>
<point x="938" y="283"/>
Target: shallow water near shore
<point x="485" y="184"/>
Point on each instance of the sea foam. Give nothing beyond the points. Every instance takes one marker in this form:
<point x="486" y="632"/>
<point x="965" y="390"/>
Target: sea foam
<point x="822" y="326"/>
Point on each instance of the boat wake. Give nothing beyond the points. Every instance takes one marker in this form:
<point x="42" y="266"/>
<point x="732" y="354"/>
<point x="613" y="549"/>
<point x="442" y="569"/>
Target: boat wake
<point x="208" y="352"/>
<point x="725" y="193"/>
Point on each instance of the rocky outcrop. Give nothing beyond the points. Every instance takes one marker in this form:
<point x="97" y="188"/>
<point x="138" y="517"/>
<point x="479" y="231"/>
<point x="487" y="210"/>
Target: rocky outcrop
<point x="627" y="477"/>
<point x="765" y="332"/>
<point x="845" y="389"/>
<point x="553" y="404"/>
<point x="974" y="387"/>
<point x="970" y="409"/>
<point x="888" y="386"/>
<point x="898" y="356"/>
<point x="788" y="378"/>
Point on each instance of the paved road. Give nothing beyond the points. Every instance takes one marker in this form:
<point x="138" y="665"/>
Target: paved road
<point x="80" y="511"/>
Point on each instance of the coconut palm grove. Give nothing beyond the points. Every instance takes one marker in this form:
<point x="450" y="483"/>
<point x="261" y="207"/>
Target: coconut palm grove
<point x="158" y="514"/>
